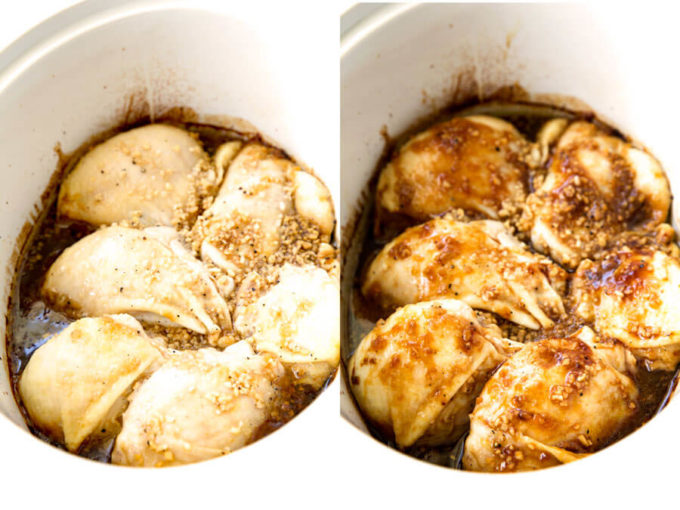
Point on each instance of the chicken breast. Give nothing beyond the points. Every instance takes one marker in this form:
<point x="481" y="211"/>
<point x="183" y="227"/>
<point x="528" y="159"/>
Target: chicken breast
<point x="416" y="375"/>
<point x="479" y="262"/>
<point x="476" y="163"/>
<point x="77" y="381"/>
<point x="244" y="224"/>
<point x="297" y="319"/>
<point x="146" y="273"/>
<point x="151" y="175"/>
<point x="199" y="405"/>
<point x="596" y="187"/>
<point x="632" y="295"/>
<point x="552" y="402"/>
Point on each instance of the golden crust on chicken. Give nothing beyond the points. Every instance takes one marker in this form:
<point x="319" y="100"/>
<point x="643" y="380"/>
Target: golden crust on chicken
<point x="475" y="163"/>
<point x="632" y="295"/>
<point x="596" y="187"/>
<point x="479" y="262"/>
<point x="416" y="375"/>
<point x="552" y="402"/>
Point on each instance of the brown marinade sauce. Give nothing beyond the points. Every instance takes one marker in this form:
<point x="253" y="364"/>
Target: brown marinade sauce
<point x="30" y="322"/>
<point x="375" y="228"/>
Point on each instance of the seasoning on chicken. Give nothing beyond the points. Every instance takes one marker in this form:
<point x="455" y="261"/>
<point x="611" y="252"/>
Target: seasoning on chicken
<point x="417" y="374"/>
<point x="262" y="192"/>
<point x="478" y="163"/>
<point x="479" y="262"/>
<point x="633" y="295"/>
<point x="296" y="318"/>
<point x="78" y="381"/>
<point x="151" y="175"/>
<point x="597" y="186"/>
<point x="552" y="402"/>
<point x="199" y="405"/>
<point x="146" y="273"/>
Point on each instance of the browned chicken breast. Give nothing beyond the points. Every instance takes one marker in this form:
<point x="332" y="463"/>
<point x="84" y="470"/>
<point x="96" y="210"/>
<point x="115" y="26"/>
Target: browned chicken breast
<point x="596" y="187"/>
<point x="417" y="374"/>
<point x="79" y="379"/>
<point x="479" y="262"/>
<point x="475" y="163"/>
<point x="633" y="295"/>
<point x="551" y="403"/>
<point x="151" y="175"/>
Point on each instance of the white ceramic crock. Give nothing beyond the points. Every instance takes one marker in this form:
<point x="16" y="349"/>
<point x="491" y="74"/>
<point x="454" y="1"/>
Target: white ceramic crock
<point x="73" y="76"/>
<point x="403" y="62"/>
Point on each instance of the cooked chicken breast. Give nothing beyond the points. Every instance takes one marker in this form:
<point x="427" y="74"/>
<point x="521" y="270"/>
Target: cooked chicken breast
<point x="480" y="263"/>
<point x="298" y="319"/>
<point x="146" y="273"/>
<point x="475" y="163"/>
<point x="198" y="405"/>
<point x="78" y="380"/>
<point x="633" y="295"/>
<point x="151" y="175"/>
<point x="551" y="403"/>
<point x="417" y="374"/>
<point x="261" y="188"/>
<point x="596" y="187"/>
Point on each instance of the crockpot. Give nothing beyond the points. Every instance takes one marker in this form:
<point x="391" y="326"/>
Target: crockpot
<point x="401" y="64"/>
<point x="82" y="72"/>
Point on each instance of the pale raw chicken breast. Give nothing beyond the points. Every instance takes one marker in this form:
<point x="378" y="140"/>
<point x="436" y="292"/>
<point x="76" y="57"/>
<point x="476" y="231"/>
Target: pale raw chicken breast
<point x="416" y="375"/>
<point x="479" y="262"/>
<point x="151" y="175"/>
<point x="199" y="405"/>
<point x="596" y="187"/>
<point x="476" y="163"/>
<point x="552" y="402"/>
<point x="261" y="189"/>
<point x="633" y="295"/>
<point x="146" y="273"/>
<point x="79" y="379"/>
<point x="298" y="319"/>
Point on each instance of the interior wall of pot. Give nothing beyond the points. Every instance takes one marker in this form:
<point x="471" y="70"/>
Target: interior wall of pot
<point x="417" y="59"/>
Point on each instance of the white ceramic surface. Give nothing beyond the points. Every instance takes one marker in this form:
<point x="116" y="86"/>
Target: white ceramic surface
<point x="403" y="62"/>
<point x="70" y="78"/>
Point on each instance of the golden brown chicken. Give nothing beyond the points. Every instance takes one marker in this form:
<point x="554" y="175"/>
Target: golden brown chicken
<point x="633" y="295"/>
<point x="479" y="262"/>
<point x="551" y="403"/>
<point x="476" y="163"/>
<point x="596" y="187"/>
<point x="417" y="374"/>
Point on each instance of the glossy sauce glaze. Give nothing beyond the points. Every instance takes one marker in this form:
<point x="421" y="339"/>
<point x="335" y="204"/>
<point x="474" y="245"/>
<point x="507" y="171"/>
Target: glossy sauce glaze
<point x="31" y="322"/>
<point x="375" y="227"/>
